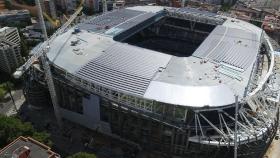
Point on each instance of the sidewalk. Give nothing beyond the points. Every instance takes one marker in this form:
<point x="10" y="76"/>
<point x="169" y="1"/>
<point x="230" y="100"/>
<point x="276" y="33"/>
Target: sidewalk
<point x="7" y="108"/>
<point x="12" y="110"/>
<point x="274" y="150"/>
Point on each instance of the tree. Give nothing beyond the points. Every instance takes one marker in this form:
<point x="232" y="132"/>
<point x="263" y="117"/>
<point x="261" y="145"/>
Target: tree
<point x="8" y="4"/>
<point x="82" y="155"/>
<point x="11" y="128"/>
<point x="225" y="7"/>
<point x="5" y="88"/>
<point x="2" y="94"/>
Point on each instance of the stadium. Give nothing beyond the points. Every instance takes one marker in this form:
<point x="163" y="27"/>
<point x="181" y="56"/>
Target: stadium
<point x="179" y="81"/>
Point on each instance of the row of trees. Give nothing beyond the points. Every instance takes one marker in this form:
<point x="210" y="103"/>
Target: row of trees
<point x="12" y="127"/>
<point x="82" y="155"/>
<point x="5" y="88"/>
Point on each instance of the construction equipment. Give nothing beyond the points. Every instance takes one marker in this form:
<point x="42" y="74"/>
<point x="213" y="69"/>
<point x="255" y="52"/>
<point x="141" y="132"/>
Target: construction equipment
<point x="41" y="53"/>
<point x="55" y="23"/>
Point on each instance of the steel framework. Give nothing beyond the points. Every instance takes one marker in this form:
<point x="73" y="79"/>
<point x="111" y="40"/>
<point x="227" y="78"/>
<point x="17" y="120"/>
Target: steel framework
<point x="257" y="112"/>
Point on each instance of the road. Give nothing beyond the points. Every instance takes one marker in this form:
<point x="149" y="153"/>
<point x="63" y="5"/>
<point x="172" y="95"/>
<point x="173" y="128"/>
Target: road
<point x="273" y="151"/>
<point x="8" y="108"/>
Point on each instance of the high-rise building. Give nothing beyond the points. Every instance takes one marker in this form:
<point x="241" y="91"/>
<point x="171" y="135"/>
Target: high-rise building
<point x="219" y="2"/>
<point x="48" y="6"/>
<point x="10" y="34"/>
<point x="10" y="57"/>
<point x="14" y="17"/>
<point x="92" y="5"/>
<point x="67" y="5"/>
<point x="275" y="4"/>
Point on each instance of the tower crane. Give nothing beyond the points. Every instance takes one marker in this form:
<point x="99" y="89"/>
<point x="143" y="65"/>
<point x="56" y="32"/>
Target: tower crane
<point x="55" y="23"/>
<point x="41" y="53"/>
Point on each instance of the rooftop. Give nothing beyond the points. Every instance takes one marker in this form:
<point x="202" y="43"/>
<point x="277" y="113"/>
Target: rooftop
<point x="6" y="30"/>
<point x="37" y="149"/>
<point x="110" y="50"/>
<point x="6" y="44"/>
<point x="13" y="12"/>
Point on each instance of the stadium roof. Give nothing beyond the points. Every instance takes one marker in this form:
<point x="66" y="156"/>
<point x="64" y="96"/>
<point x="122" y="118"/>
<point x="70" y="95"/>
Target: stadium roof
<point x="219" y="68"/>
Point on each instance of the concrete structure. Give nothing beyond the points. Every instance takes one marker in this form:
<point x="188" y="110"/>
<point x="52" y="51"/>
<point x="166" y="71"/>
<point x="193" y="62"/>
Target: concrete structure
<point x="271" y="23"/>
<point x="95" y="6"/>
<point x="10" y="55"/>
<point x="27" y="148"/>
<point x="92" y="5"/>
<point x="118" y="4"/>
<point x="10" y="34"/>
<point x="48" y="6"/>
<point x="167" y="79"/>
<point x="275" y="4"/>
<point x="14" y="17"/>
<point x="2" y="5"/>
<point x="68" y="5"/>
<point x="218" y="2"/>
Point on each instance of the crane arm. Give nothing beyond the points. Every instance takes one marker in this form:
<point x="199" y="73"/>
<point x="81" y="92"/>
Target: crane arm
<point x="55" y="23"/>
<point x="39" y="51"/>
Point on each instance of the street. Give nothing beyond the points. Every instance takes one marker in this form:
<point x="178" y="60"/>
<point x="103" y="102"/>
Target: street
<point x="7" y="108"/>
<point x="273" y="151"/>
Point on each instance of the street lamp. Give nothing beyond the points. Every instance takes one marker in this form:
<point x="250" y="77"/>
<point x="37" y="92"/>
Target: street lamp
<point x="11" y="96"/>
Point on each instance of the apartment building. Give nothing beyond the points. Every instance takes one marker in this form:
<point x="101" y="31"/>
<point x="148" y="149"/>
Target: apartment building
<point x="10" y="57"/>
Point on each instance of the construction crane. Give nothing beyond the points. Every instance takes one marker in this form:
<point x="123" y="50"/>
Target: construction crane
<point x="41" y="53"/>
<point x="38" y="52"/>
<point x="55" y="23"/>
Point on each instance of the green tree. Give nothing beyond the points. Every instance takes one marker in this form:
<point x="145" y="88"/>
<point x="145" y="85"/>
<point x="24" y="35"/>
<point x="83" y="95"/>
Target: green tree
<point x="2" y="94"/>
<point x="82" y="155"/>
<point x="7" y="85"/>
<point x="3" y="90"/>
<point x="225" y="7"/>
<point x="11" y="128"/>
<point x="8" y="4"/>
<point x="42" y="137"/>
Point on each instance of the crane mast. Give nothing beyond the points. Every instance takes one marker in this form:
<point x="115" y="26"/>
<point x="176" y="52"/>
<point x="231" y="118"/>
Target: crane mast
<point x="41" y="19"/>
<point x="51" y="86"/>
<point x="47" y="70"/>
<point x="41" y="53"/>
